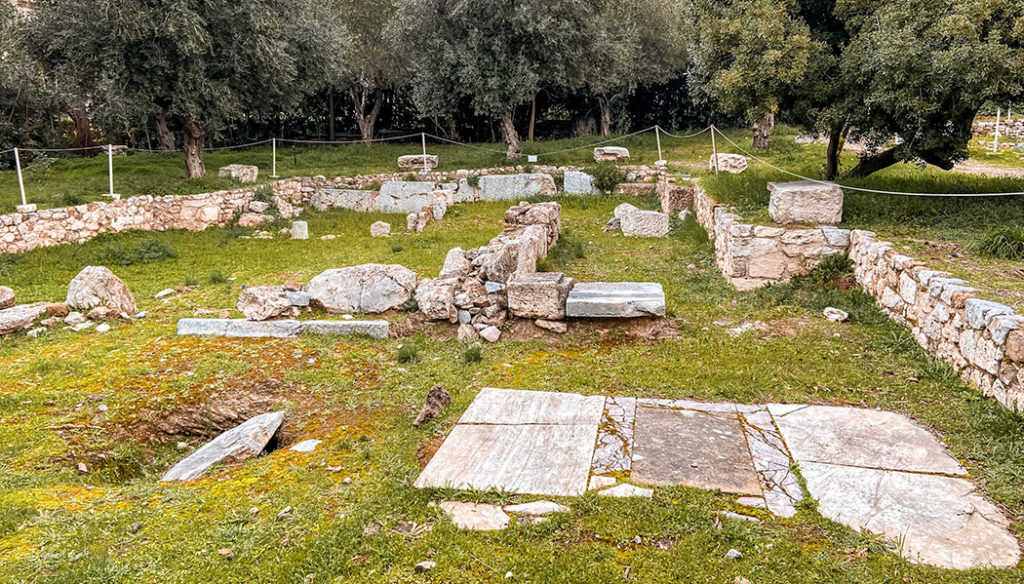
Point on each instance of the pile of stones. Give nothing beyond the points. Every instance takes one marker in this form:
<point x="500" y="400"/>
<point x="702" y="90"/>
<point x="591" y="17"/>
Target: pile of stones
<point x="635" y="222"/>
<point x="473" y="288"/>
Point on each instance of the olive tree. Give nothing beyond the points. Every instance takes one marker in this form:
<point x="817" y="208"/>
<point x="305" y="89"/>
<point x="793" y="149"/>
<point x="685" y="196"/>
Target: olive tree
<point x="200" y="64"/>
<point x="747" y="56"/>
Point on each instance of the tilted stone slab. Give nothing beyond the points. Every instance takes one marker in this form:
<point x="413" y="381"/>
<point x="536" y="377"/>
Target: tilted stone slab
<point x="576" y="182"/>
<point x="357" y="200"/>
<point x="939" y="520"/>
<point x="244" y="441"/>
<point x="510" y="406"/>
<point x="417" y="162"/>
<point x="405" y="196"/>
<point x="615" y="300"/>
<point x="860" y="437"/>
<point x="515" y="187"/>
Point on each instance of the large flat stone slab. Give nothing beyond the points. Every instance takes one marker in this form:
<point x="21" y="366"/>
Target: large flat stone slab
<point x="772" y="463"/>
<point x="535" y="459"/>
<point x="939" y="519"/>
<point x="859" y="437"/>
<point x="377" y="329"/>
<point x="685" y="447"/>
<point x="240" y="327"/>
<point x="405" y="196"/>
<point x="615" y="300"/>
<point x="515" y="187"/>
<point x="509" y="406"/>
<point x="614" y="450"/>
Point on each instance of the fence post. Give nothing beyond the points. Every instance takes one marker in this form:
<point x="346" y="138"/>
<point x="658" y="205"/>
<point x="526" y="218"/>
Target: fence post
<point x="21" y="181"/>
<point x="995" y="143"/>
<point x="110" y="167"/>
<point x="424" y="136"/>
<point x="657" y="136"/>
<point x="273" y="171"/>
<point x="714" y="147"/>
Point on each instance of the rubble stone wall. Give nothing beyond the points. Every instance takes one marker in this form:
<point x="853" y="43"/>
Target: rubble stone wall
<point x="752" y="256"/>
<point x="982" y="340"/>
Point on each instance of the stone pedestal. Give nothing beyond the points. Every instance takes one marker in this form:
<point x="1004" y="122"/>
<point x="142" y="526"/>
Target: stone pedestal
<point x="539" y="295"/>
<point x="806" y="201"/>
<point x="300" y="230"/>
<point x="611" y="154"/>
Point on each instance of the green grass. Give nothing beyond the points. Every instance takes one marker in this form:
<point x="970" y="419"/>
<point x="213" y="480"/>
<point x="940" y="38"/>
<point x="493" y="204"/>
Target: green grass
<point x="57" y="525"/>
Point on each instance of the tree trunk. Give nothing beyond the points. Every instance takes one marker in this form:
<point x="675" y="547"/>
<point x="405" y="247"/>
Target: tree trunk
<point x="873" y="163"/>
<point x="195" y="138"/>
<point x="763" y="132"/>
<point x="605" y="104"/>
<point x="533" y="118"/>
<point x="366" y="114"/>
<point x="836" y="140"/>
<point x="510" y="136"/>
<point x="330" y="114"/>
<point x="83" y="129"/>
<point x="163" y="133"/>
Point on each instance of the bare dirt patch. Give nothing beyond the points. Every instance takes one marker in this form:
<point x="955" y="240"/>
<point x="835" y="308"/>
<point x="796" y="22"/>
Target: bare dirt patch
<point x="646" y="330"/>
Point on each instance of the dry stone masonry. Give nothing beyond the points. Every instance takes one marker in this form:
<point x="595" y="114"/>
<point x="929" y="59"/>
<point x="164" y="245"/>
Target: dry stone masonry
<point x="806" y="201"/>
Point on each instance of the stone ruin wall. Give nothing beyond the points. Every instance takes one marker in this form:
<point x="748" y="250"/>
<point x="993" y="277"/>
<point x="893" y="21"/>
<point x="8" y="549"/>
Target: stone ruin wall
<point x="21" y="232"/>
<point x="982" y="340"/>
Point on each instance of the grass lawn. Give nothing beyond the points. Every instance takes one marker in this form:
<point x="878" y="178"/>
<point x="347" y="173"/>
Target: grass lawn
<point x="59" y="525"/>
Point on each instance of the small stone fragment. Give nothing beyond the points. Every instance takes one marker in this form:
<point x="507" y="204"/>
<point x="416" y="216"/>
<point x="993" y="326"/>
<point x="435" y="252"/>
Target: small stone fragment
<point x="552" y="325"/>
<point x="626" y="490"/>
<point x="733" y="554"/>
<point x="305" y="446"/>
<point x="490" y="334"/>
<point x="425" y="566"/>
<point x="536" y="508"/>
<point x="467" y="333"/>
<point x="476" y="516"/>
<point x="836" y="315"/>
<point x="226" y="553"/>
<point x="380" y="229"/>
<point x="372" y="530"/>
<point x="102" y="328"/>
<point x="437" y="398"/>
<point x="6" y="297"/>
<point x="135" y="527"/>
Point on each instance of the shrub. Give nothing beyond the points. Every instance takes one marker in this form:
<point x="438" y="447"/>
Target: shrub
<point x="409" y="353"/>
<point x="147" y="252"/>
<point x="191" y="281"/>
<point x="217" y="277"/>
<point x="1006" y="243"/>
<point x="473" y="181"/>
<point x="472" y="354"/>
<point x="606" y="176"/>
<point x="264" y="194"/>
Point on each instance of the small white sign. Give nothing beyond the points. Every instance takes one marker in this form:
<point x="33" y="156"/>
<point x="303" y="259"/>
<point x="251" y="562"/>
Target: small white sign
<point x="531" y="158"/>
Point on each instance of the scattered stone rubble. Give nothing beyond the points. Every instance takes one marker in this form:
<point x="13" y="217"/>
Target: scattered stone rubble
<point x="731" y="163"/>
<point x="635" y="222"/>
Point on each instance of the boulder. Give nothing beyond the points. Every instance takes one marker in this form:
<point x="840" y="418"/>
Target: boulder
<point x="539" y="295"/>
<point x="405" y="196"/>
<point x="19" y="318"/>
<point x="645" y="224"/>
<point x="354" y="199"/>
<point x="253" y="219"/>
<point x="6" y="297"/>
<point x="416" y="162"/>
<point x="806" y="201"/>
<point x="623" y="210"/>
<point x="515" y="187"/>
<point x="491" y="334"/>
<point x="435" y="299"/>
<point x="578" y="183"/>
<point x="242" y="442"/>
<point x="611" y="154"/>
<point x="241" y="172"/>
<point x="368" y="288"/>
<point x="264" y="302"/>
<point x="456" y="264"/>
<point x="258" y="207"/>
<point x="285" y="209"/>
<point x="98" y="286"/>
<point x="380" y="229"/>
<point x="731" y="163"/>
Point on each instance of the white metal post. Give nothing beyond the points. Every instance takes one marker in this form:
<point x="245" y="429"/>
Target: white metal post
<point x="110" y="167"/>
<point x="657" y="136"/>
<point x="424" y="136"/>
<point x="273" y="172"/>
<point x="21" y="181"/>
<point x="995" y="143"/>
<point x="714" y="147"/>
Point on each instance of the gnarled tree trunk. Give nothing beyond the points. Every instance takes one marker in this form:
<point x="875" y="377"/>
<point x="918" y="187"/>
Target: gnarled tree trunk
<point x="605" y="105"/>
<point x="195" y="138"/>
<point x="510" y="136"/>
<point x="763" y="132"/>
<point x="83" y="128"/>
<point x="836" y="139"/>
<point x="366" y="112"/>
<point x="163" y="133"/>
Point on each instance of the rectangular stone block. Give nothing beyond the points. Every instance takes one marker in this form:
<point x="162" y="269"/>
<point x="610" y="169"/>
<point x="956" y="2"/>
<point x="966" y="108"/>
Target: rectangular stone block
<point x="354" y="199"/>
<point x="644" y="224"/>
<point x="405" y="196"/>
<point x="539" y="295"/>
<point x="515" y="187"/>
<point x="615" y="300"/>
<point x="816" y="202"/>
<point x="578" y="183"/>
<point x="377" y="329"/>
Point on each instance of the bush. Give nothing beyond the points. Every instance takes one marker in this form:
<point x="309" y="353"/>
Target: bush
<point x="472" y="354"/>
<point x="217" y="277"/>
<point x="191" y="281"/>
<point x="1006" y="243"/>
<point x="409" y="353"/>
<point x="147" y="252"/>
<point x="473" y="181"/>
<point x="606" y="176"/>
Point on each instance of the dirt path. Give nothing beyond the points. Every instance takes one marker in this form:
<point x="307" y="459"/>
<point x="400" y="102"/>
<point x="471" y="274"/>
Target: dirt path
<point x="973" y="166"/>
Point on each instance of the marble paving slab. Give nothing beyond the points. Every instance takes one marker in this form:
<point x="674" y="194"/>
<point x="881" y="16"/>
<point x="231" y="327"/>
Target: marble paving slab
<point x="939" y="519"/>
<point x="697" y="449"/>
<point x="614" y="451"/>
<point x="509" y="406"/>
<point x="861" y="437"/>
<point x="772" y="463"/>
<point x="534" y="459"/>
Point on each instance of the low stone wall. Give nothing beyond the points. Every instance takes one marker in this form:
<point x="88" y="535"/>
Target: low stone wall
<point x="752" y="256"/>
<point x="21" y="232"/>
<point x="982" y="340"/>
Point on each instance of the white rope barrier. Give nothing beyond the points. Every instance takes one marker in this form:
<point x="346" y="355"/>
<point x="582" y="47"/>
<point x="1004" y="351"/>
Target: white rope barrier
<point x="601" y="143"/>
<point x="340" y="142"/>
<point x="686" y="137"/>
<point x="859" y="189"/>
<point x="457" y="143"/>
